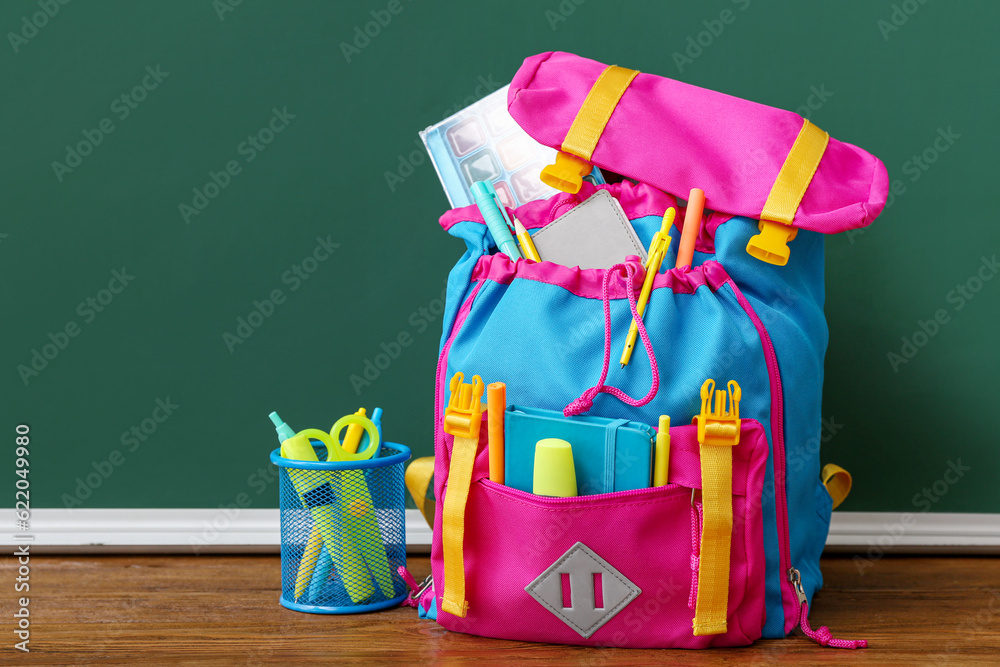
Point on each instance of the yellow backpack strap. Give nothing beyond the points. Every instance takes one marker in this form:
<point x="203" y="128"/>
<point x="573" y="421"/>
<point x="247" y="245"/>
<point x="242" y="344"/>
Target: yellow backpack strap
<point x="418" y="481"/>
<point x="718" y="433"/>
<point x="462" y="419"/>
<point x="771" y="245"/>
<point x="572" y="161"/>
<point x="837" y="482"/>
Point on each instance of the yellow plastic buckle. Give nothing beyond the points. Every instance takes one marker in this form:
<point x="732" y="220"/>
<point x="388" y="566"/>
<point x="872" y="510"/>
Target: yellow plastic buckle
<point x="771" y="245"/>
<point x="719" y="426"/>
<point x="567" y="173"/>
<point x="463" y="415"/>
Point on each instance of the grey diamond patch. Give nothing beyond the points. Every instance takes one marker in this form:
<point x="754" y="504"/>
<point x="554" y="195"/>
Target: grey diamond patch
<point x="582" y="571"/>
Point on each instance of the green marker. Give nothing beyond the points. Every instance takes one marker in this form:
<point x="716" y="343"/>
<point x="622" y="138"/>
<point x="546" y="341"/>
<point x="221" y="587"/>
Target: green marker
<point x="298" y="449"/>
<point x="284" y="430"/>
<point x="295" y="449"/>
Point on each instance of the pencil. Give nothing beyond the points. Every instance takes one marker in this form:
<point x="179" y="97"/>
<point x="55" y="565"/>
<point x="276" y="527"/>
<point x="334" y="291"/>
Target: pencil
<point x="527" y="245"/>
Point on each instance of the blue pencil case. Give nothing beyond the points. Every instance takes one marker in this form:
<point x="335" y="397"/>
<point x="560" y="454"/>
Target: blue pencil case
<point x="608" y="454"/>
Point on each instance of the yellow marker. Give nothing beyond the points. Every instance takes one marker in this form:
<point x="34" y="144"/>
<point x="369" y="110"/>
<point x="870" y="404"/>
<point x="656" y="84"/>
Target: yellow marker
<point x="554" y="473"/>
<point x="313" y="548"/>
<point x="296" y="448"/>
<point x="527" y="245"/>
<point x="657" y="250"/>
<point x="353" y="436"/>
<point x="662" y="466"/>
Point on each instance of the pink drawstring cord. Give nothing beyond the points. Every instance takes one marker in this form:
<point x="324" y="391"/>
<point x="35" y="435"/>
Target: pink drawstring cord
<point x="823" y="636"/>
<point x="586" y="401"/>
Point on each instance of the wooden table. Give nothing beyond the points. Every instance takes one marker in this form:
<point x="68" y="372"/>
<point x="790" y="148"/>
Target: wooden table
<point x="224" y="610"/>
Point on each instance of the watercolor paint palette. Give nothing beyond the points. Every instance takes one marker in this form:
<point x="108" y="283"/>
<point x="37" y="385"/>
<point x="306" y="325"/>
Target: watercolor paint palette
<point x="483" y="143"/>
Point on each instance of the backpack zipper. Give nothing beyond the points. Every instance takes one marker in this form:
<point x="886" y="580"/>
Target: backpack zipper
<point x="822" y="636"/>
<point x="801" y="618"/>
<point x="778" y="440"/>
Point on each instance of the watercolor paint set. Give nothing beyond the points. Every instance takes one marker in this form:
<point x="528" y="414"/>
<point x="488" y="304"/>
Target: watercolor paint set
<point x="483" y="143"/>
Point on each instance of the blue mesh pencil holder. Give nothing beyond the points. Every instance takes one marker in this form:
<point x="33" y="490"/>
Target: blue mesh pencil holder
<point x="343" y="533"/>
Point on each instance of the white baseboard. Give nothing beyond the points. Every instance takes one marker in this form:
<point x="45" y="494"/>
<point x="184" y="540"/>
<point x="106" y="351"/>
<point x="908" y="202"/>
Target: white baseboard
<point x="256" y="530"/>
<point x="193" y="531"/>
<point x="922" y="532"/>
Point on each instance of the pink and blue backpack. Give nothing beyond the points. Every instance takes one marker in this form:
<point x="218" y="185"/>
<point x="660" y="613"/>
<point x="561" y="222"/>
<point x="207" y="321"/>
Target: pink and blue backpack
<point x="625" y="568"/>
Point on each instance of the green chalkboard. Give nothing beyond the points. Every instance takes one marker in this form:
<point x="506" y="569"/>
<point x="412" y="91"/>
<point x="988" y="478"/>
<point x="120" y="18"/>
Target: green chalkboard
<point x="199" y="225"/>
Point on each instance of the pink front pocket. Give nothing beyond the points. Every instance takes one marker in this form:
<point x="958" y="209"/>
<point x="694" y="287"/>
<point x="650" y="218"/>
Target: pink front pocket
<point x="613" y="569"/>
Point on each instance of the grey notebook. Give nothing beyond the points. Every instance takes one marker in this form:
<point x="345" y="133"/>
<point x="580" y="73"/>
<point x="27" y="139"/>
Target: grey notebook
<point x="593" y="235"/>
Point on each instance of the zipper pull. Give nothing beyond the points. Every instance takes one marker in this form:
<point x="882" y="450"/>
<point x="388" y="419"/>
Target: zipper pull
<point x="795" y="577"/>
<point x="416" y="590"/>
<point x="823" y="637"/>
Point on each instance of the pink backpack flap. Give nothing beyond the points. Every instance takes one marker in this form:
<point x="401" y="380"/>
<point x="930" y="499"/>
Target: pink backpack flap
<point x="750" y="159"/>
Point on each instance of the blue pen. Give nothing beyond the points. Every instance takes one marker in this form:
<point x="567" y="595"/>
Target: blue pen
<point x="377" y="420"/>
<point x="496" y="218"/>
